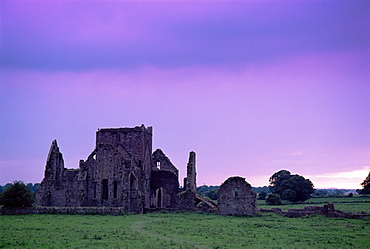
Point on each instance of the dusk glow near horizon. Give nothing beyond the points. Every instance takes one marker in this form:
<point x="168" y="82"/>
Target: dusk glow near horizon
<point x="252" y="87"/>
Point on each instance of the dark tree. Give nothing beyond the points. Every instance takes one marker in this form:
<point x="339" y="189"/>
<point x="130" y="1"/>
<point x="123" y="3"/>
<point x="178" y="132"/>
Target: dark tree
<point x="276" y="180"/>
<point x="273" y="199"/>
<point x="291" y="187"/>
<point x="289" y="194"/>
<point x="320" y="192"/>
<point x="30" y="186"/>
<point x="365" y="185"/>
<point x="212" y="194"/>
<point x="202" y="189"/>
<point x="7" y="186"/>
<point x="259" y="189"/>
<point x="262" y="195"/>
<point x="35" y="186"/>
<point x="296" y="188"/>
<point x="17" y="195"/>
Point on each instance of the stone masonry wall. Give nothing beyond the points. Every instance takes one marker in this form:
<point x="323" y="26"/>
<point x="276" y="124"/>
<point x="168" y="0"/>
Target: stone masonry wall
<point x="235" y="197"/>
<point x="191" y="175"/>
<point x="63" y="210"/>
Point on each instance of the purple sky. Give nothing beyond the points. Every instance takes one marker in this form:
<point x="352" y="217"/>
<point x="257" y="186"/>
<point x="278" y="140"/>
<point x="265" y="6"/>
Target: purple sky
<point x="252" y="87"/>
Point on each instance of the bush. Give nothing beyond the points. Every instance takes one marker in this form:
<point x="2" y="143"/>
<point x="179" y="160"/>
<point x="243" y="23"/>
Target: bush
<point x="366" y="186"/>
<point x="262" y="195"/>
<point x="212" y="194"/>
<point x="17" y="195"/>
<point x="320" y="192"/>
<point x="273" y="199"/>
<point x="289" y="194"/>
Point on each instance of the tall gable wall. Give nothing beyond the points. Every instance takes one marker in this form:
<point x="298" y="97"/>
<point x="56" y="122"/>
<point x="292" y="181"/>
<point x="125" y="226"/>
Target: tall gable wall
<point x="236" y="197"/>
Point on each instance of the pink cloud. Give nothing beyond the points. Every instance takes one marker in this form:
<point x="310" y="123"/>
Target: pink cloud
<point x="347" y="180"/>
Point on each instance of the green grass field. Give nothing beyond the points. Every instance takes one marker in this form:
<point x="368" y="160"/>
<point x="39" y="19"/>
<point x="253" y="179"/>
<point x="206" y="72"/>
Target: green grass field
<point x="181" y="230"/>
<point x="186" y="230"/>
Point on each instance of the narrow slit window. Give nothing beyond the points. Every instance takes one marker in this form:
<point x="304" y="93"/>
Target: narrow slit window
<point x="94" y="186"/>
<point x="105" y="189"/>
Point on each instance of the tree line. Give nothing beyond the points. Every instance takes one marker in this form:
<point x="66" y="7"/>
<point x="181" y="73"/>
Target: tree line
<point x="17" y="195"/>
<point x="32" y="187"/>
<point x="282" y="186"/>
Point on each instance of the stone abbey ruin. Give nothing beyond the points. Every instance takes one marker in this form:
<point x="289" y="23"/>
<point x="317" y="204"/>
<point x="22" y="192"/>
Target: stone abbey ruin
<point x="122" y="171"/>
<point x="123" y="175"/>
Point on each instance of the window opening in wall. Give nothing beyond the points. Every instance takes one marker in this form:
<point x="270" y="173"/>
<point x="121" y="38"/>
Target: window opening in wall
<point x="236" y="193"/>
<point x="159" y="198"/>
<point x="105" y="189"/>
<point x="133" y="182"/>
<point x="114" y="189"/>
<point x="159" y="164"/>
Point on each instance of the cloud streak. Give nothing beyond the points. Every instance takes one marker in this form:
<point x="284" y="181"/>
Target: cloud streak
<point x="350" y="179"/>
<point x="66" y="35"/>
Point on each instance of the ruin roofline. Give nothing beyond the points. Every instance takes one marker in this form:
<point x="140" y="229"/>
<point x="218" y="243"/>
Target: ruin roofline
<point x="122" y="129"/>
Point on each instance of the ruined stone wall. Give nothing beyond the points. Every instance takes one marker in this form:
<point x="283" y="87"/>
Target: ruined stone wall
<point x="191" y="175"/>
<point x="235" y="197"/>
<point x="187" y="200"/>
<point x="120" y="169"/>
<point x="327" y="210"/>
<point x="162" y="162"/>
<point x="164" y="189"/>
<point x="116" y="173"/>
<point x="60" y="187"/>
<point x="120" y="172"/>
<point x="114" y="179"/>
<point x="134" y="141"/>
<point x="205" y="205"/>
<point x="63" y="210"/>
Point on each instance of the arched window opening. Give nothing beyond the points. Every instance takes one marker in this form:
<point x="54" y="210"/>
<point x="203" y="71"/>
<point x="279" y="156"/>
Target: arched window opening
<point x="159" y="198"/>
<point x="133" y="182"/>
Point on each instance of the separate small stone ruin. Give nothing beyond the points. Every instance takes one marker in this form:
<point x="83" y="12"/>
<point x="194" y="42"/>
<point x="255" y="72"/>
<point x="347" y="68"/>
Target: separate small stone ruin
<point x="236" y="197"/>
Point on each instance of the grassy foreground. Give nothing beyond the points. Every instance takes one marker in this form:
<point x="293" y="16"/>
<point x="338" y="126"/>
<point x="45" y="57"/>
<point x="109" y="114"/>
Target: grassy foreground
<point x="181" y="230"/>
